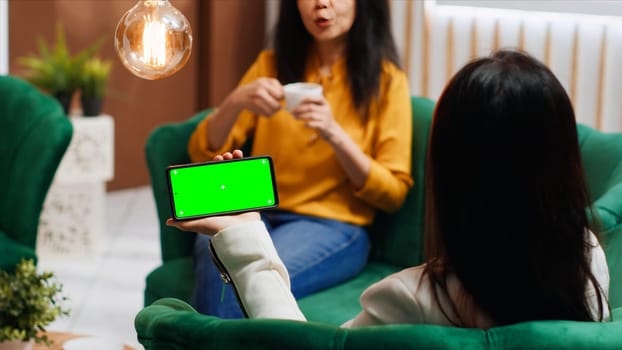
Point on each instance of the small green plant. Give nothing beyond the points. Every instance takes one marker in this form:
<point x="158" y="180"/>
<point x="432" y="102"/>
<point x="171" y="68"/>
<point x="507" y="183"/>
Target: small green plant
<point x="54" y="69"/>
<point x="95" y="75"/>
<point x="29" y="301"/>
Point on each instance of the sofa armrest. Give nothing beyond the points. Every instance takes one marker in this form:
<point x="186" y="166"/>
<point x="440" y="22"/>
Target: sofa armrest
<point x="167" y="145"/>
<point x="12" y="252"/>
<point x="173" y="324"/>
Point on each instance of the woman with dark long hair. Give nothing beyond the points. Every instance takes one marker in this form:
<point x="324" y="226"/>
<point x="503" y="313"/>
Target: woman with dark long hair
<point x="338" y="157"/>
<point x="512" y="237"/>
<point x="507" y="199"/>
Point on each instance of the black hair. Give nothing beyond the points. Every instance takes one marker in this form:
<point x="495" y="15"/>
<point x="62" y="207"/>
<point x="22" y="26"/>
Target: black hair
<point x="507" y="192"/>
<point x="369" y="41"/>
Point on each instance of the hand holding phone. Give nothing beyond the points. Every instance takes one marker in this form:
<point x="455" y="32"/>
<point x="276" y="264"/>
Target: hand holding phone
<point x="213" y="224"/>
<point x="221" y="187"/>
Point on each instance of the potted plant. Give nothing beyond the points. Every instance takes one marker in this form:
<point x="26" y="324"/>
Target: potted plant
<point x="54" y="69"/>
<point x="95" y="73"/>
<point x="29" y="301"/>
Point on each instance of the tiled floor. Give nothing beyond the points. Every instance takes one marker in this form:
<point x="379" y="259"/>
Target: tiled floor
<point x="106" y="291"/>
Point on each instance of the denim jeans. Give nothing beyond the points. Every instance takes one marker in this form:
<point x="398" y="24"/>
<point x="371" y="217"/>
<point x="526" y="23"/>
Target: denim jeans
<point x="318" y="253"/>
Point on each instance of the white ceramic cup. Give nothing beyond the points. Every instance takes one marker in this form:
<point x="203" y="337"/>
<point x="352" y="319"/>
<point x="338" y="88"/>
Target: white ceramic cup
<point x="295" y="92"/>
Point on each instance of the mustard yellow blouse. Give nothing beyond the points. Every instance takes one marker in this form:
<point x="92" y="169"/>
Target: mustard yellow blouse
<point x="310" y="180"/>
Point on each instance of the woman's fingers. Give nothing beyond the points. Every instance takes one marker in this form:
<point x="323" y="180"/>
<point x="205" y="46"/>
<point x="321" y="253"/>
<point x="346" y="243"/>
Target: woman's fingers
<point x="229" y="155"/>
<point x="274" y="88"/>
<point x="211" y="225"/>
<point x="205" y="226"/>
<point x="265" y="95"/>
<point x="238" y="154"/>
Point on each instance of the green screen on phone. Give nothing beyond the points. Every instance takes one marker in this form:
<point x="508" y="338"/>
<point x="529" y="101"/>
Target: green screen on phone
<point x="221" y="187"/>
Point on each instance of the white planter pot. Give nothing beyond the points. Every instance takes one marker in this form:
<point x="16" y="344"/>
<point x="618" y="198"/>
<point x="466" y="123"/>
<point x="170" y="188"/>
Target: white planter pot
<point x="16" y="345"/>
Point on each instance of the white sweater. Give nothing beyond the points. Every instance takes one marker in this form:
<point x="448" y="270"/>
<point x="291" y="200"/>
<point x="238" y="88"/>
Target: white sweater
<point x="262" y="282"/>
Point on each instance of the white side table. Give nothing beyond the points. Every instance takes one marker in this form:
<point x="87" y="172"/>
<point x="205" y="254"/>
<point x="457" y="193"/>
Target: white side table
<point x="72" y="222"/>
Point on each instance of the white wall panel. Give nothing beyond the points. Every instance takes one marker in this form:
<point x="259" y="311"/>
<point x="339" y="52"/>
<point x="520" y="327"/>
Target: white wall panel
<point x="4" y="37"/>
<point x="535" y="37"/>
<point x="612" y="83"/>
<point x="587" y="91"/>
<point x="437" y="54"/>
<point x="561" y="50"/>
<point x="462" y="41"/>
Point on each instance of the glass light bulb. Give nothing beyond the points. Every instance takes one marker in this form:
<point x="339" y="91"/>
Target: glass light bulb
<point x="153" y="39"/>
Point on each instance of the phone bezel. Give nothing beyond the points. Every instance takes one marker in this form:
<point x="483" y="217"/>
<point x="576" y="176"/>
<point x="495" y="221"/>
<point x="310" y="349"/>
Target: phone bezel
<point x="216" y="163"/>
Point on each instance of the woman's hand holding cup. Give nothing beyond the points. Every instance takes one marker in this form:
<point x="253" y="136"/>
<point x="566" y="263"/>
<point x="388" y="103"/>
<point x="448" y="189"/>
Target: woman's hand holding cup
<point x="306" y="102"/>
<point x="263" y="96"/>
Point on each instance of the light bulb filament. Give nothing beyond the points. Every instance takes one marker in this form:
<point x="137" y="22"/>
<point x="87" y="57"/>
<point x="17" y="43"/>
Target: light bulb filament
<point x="153" y="39"/>
<point x="154" y="43"/>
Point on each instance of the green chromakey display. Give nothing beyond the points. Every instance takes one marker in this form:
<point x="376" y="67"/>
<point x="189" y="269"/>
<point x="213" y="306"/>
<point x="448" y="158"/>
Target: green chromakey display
<point x="222" y="187"/>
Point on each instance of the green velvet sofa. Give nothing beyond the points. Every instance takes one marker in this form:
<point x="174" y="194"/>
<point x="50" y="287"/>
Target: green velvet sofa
<point x="34" y="136"/>
<point x="168" y="322"/>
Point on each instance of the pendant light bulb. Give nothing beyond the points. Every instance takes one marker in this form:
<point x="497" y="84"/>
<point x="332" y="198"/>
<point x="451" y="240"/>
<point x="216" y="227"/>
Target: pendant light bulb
<point x="153" y="39"/>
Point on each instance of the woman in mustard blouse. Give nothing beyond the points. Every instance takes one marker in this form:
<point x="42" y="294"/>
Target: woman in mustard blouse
<point x="338" y="157"/>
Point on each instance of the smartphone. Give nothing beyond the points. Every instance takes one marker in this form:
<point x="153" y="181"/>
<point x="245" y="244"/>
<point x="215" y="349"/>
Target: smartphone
<point x="221" y="187"/>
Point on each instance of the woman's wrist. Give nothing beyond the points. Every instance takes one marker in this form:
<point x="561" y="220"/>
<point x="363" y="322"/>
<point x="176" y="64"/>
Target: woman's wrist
<point x="233" y="103"/>
<point x="335" y="136"/>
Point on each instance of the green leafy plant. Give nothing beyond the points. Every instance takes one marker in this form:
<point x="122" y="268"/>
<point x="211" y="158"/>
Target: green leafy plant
<point x="29" y="301"/>
<point x="54" y="69"/>
<point x="95" y="73"/>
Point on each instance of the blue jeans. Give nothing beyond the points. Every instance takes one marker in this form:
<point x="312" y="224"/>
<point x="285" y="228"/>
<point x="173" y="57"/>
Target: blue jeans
<point x="318" y="253"/>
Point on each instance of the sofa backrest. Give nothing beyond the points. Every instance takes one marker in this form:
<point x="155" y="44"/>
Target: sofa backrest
<point x="602" y="161"/>
<point x="34" y="136"/>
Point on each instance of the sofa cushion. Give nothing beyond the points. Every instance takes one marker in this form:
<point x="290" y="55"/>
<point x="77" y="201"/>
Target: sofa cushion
<point x="339" y="304"/>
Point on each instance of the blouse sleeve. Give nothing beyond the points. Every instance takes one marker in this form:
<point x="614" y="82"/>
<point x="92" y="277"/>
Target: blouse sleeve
<point x="198" y="148"/>
<point x="389" y="179"/>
